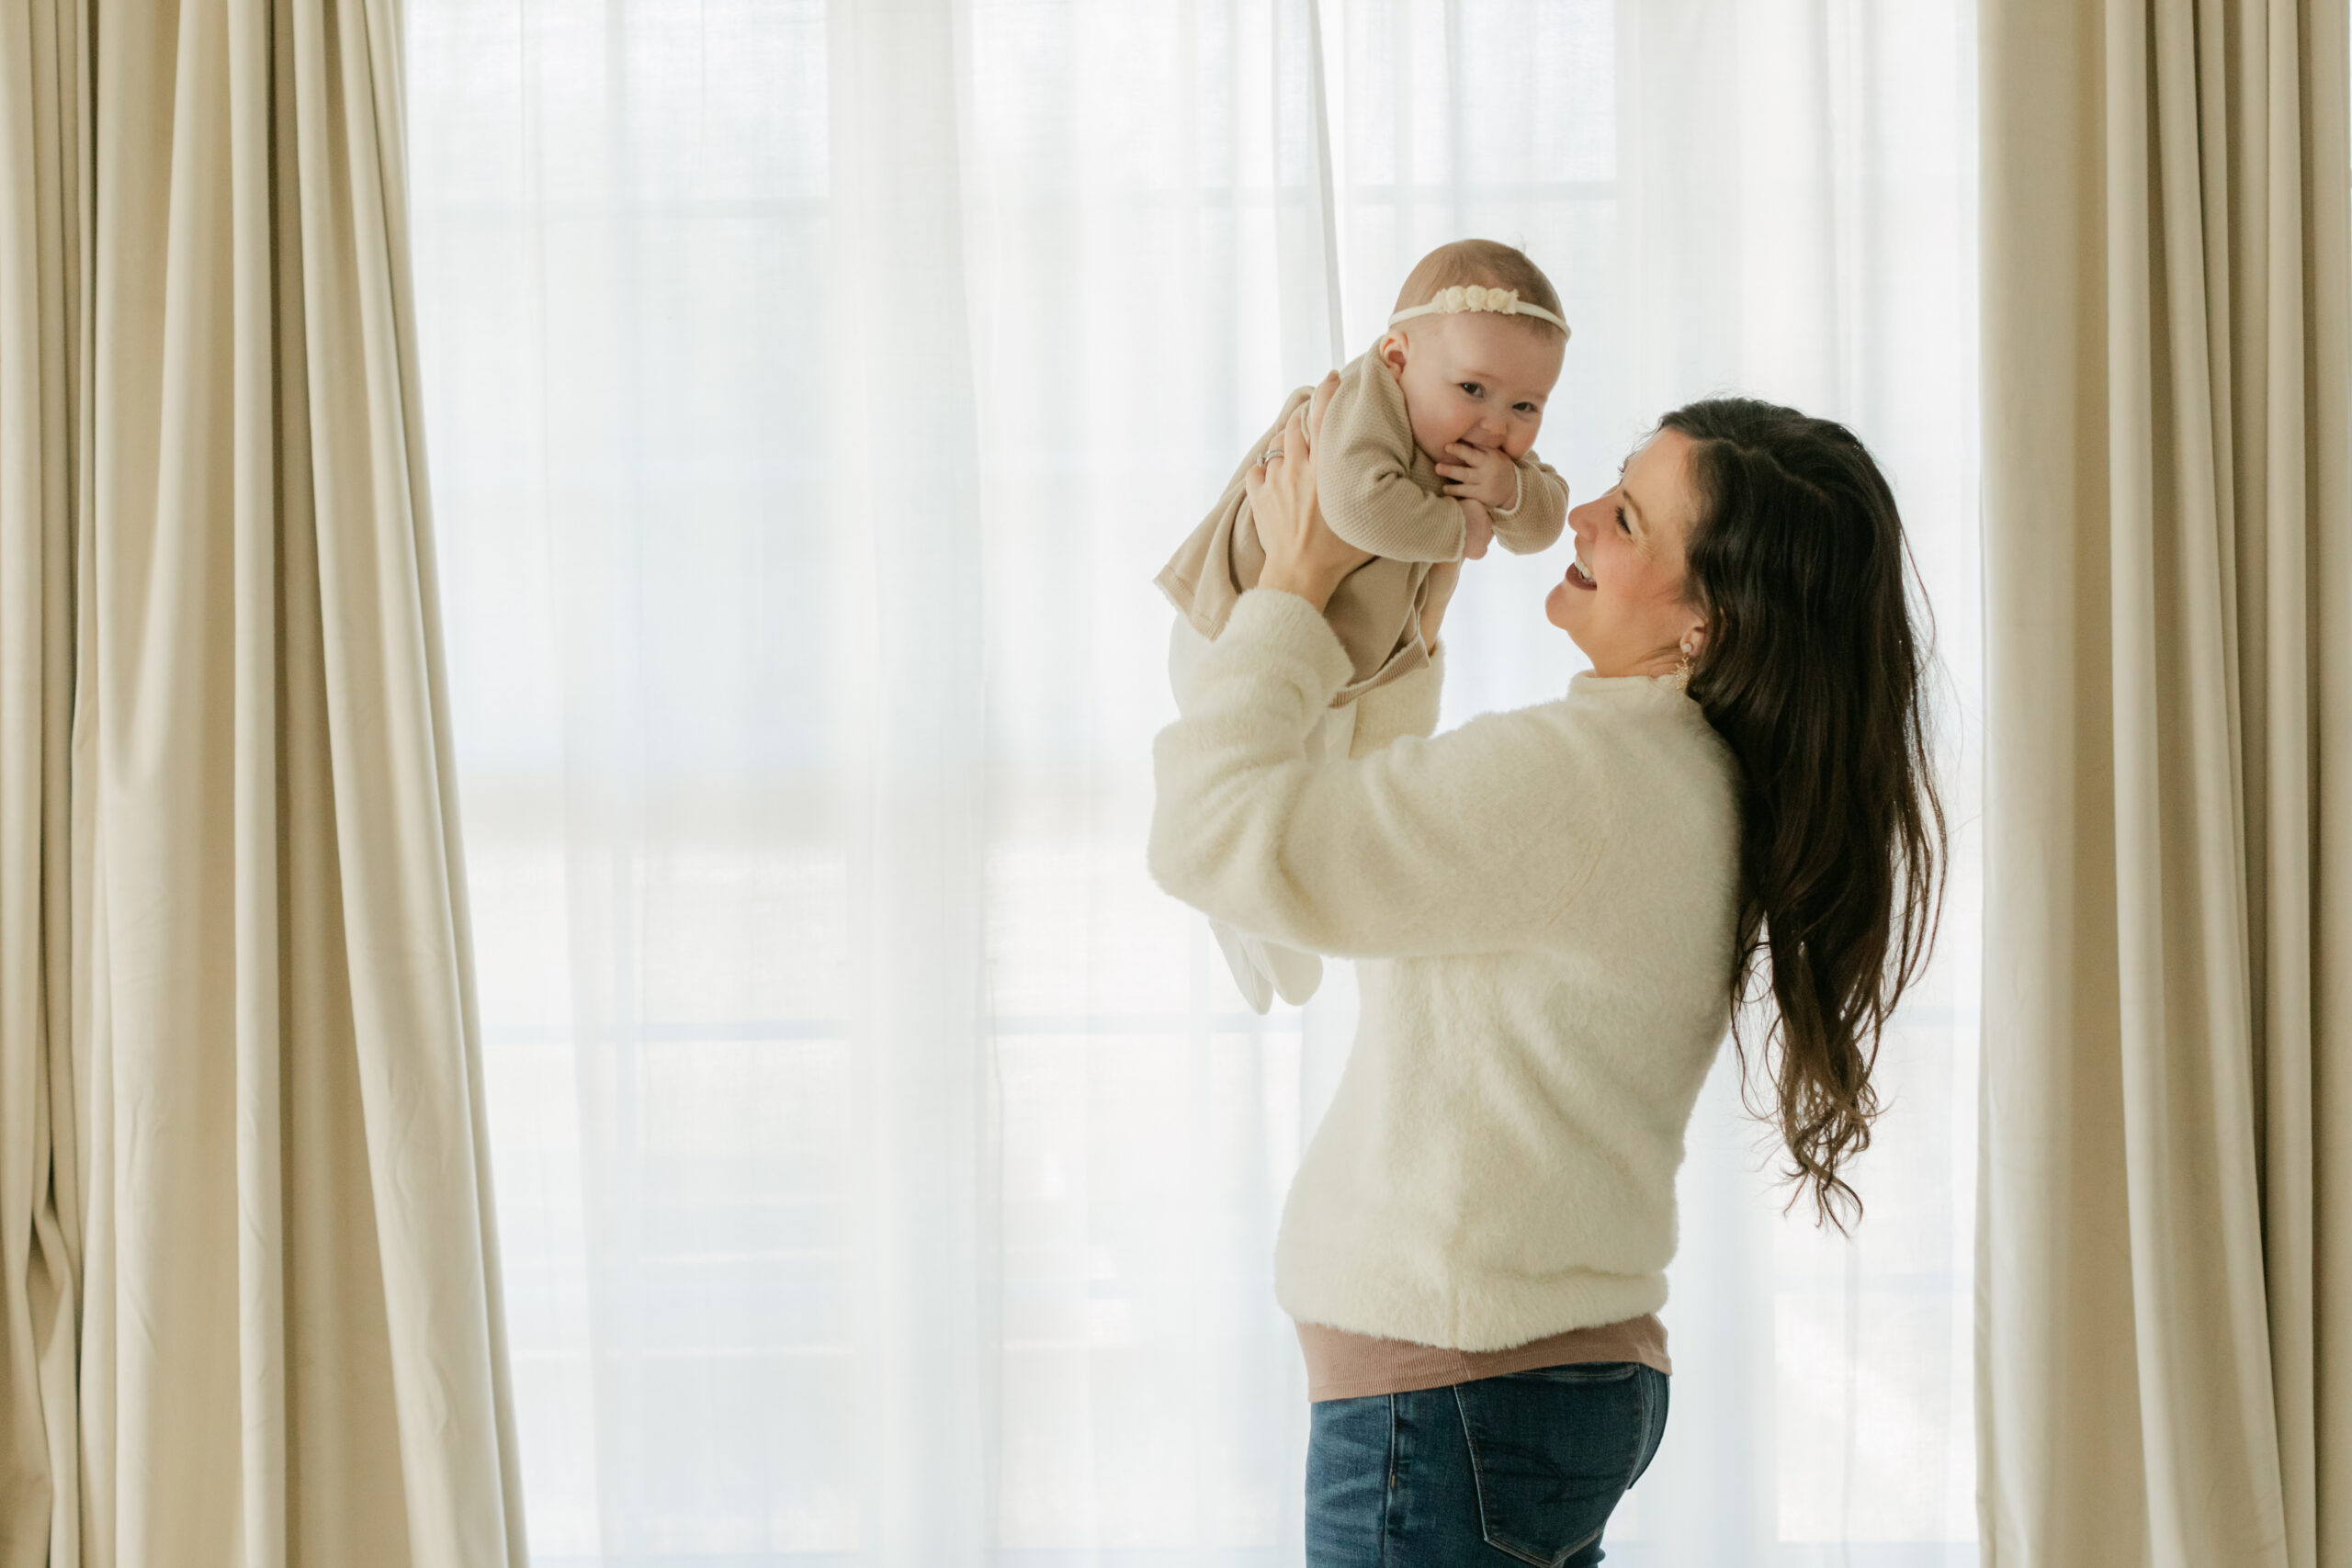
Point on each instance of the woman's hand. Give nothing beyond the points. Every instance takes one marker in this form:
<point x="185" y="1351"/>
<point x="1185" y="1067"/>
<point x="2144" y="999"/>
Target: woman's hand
<point x="1303" y="555"/>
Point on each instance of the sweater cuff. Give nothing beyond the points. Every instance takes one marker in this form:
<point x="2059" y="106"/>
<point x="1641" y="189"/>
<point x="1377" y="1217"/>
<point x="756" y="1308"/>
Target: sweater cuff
<point x="1276" y="626"/>
<point x="1539" y="517"/>
<point x="1518" y="493"/>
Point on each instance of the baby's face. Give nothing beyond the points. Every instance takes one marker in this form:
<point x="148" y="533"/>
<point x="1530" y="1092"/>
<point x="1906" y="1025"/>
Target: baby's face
<point x="1474" y="376"/>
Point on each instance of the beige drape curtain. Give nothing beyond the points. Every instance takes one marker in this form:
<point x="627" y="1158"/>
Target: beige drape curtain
<point x="251" y="1307"/>
<point x="2165" y="1267"/>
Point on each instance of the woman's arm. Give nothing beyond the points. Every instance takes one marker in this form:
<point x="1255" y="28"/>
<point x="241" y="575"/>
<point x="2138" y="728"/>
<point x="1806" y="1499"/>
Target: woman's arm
<point x="1473" y="841"/>
<point x="1302" y="555"/>
<point x="1468" y="842"/>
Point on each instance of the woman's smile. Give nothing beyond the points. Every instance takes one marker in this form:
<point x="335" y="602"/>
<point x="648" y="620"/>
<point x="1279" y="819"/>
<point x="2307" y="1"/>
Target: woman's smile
<point x="1578" y="576"/>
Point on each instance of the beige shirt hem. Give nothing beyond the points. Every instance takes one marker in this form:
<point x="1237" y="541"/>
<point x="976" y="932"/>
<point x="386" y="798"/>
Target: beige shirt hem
<point x="1340" y="1365"/>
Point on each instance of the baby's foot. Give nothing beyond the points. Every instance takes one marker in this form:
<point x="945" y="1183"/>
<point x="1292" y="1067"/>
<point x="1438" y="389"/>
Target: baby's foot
<point x="1251" y="976"/>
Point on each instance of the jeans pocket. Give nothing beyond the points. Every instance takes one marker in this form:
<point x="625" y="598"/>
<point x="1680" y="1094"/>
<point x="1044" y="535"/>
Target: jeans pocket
<point x="1550" y="1455"/>
<point x="1657" y="1382"/>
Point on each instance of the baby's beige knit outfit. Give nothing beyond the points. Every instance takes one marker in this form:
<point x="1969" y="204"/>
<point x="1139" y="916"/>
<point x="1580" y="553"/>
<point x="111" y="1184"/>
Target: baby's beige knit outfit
<point x="1380" y="492"/>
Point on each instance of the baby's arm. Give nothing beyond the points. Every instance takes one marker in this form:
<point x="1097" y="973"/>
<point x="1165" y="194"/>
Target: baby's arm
<point x="1526" y="501"/>
<point x="1363" y="478"/>
<point x="1478" y="526"/>
<point x="1542" y="512"/>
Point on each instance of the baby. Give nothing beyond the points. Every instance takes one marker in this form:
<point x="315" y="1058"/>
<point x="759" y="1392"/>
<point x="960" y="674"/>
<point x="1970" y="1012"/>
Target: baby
<point x="1425" y="453"/>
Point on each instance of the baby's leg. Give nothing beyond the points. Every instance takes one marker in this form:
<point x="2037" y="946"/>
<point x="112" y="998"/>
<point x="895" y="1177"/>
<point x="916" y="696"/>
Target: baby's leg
<point x="1186" y="649"/>
<point x="1262" y="969"/>
<point x="1297" y="974"/>
<point x="1332" y="733"/>
<point x="1245" y="956"/>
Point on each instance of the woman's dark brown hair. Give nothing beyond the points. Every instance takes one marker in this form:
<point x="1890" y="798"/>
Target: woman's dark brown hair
<point x="1812" y="670"/>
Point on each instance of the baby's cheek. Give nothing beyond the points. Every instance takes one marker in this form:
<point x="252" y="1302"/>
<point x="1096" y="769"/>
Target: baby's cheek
<point x="1436" y="434"/>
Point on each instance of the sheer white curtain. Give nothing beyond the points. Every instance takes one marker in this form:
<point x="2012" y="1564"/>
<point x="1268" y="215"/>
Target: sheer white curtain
<point x="887" y="1170"/>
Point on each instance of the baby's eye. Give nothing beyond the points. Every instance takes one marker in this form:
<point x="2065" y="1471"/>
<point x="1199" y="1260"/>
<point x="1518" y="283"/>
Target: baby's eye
<point x="1469" y="386"/>
<point x="1530" y="410"/>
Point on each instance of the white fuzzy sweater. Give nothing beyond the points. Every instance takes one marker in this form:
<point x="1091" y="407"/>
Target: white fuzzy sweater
<point x="1544" y="902"/>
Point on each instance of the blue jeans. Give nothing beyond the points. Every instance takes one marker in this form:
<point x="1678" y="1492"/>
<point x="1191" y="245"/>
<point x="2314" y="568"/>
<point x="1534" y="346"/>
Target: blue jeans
<point x="1522" y="1468"/>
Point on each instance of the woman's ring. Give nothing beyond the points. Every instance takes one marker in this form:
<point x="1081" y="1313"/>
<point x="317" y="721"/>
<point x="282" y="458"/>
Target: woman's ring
<point x="1271" y="454"/>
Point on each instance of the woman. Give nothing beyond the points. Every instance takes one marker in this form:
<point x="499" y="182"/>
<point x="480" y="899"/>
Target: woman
<point x="1556" y="908"/>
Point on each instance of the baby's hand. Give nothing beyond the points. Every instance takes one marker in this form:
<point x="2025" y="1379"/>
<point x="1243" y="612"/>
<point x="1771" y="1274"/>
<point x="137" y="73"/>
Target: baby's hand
<point x="1478" y="528"/>
<point x="1481" y="474"/>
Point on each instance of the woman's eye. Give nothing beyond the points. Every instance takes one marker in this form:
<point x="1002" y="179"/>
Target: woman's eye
<point x="1621" y="520"/>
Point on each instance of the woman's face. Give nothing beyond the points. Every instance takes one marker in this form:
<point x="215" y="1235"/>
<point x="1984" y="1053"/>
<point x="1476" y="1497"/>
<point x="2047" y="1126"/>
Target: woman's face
<point x="1622" y="598"/>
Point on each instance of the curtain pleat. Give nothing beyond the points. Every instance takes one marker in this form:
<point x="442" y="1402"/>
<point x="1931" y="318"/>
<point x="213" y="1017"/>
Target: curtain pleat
<point x="43" y="152"/>
<point x="239" y="1068"/>
<point x="927" y="1081"/>
<point x="2165" y="270"/>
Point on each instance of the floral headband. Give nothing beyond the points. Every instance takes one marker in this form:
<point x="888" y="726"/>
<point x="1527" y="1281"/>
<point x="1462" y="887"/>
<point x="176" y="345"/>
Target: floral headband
<point x="1501" y="301"/>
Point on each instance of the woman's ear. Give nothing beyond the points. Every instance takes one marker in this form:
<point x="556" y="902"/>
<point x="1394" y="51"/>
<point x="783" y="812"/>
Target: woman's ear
<point x="1694" y="638"/>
